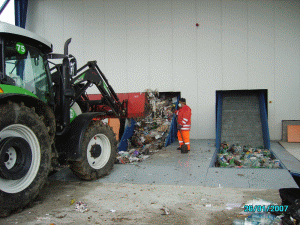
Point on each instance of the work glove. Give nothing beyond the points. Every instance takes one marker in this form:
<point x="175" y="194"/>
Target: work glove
<point x="179" y="126"/>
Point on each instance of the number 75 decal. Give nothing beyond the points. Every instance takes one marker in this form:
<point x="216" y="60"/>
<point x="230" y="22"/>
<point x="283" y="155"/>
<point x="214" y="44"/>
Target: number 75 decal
<point x="20" y="48"/>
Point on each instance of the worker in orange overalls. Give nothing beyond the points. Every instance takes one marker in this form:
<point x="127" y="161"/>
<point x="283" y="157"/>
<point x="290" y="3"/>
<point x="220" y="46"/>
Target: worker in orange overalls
<point x="184" y="115"/>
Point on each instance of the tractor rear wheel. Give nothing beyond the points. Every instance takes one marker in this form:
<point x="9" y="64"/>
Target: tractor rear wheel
<point x="25" y="152"/>
<point x="99" y="149"/>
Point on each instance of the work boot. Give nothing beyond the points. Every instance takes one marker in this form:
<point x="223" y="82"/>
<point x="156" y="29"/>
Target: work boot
<point x="179" y="148"/>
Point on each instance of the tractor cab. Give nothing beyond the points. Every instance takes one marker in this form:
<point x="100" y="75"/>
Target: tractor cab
<point x="24" y="62"/>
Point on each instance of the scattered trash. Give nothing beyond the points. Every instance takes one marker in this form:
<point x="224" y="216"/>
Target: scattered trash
<point x="237" y="156"/>
<point x="257" y="211"/>
<point x="81" y="207"/>
<point x="230" y="206"/>
<point x="259" y="218"/>
<point x="165" y="211"/>
<point x="113" y="210"/>
<point x="290" y="205"/>
<point x="150" y="133"/>
<point x="72" y="201"/>
<point x="43" y="218"/>
<point x="62" y="216"/>
<point x="208" y="205"/>
<point x="258" y="202"/>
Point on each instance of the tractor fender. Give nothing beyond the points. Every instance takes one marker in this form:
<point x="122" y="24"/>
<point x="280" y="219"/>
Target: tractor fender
<point x="14" y="97"/>
<point x="69" y="143"/>
<point x="40" y="107"/>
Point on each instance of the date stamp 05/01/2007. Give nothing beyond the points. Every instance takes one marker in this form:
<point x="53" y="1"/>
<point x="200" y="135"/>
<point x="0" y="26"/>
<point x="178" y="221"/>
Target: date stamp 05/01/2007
<point x="265" y="208"/>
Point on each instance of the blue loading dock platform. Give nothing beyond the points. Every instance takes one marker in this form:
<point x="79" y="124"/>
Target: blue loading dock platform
<point x="197" y="168"/>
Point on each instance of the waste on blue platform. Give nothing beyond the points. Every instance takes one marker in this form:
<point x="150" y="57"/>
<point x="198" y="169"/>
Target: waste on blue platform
<point x="151" y="132"/>
<point x="236" y="156"/>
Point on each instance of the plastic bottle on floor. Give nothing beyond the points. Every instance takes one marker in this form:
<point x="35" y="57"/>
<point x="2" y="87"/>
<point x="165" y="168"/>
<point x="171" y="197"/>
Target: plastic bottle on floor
<point x="242" y="222"/>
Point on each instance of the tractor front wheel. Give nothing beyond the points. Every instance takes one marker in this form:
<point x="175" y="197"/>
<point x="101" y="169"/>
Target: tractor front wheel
<point x="25" y="152"/>
<point x="99" y="149"/>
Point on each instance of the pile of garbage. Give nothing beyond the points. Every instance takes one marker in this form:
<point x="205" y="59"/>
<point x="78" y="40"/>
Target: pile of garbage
<point x="259" y="218"/>
<point x="259" y="211"/>
<point x="236" y="156"/>
<point x="150" y="132"/>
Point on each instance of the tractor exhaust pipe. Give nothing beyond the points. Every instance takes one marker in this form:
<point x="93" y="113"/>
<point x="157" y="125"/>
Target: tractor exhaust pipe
<point x="66" y="47"/>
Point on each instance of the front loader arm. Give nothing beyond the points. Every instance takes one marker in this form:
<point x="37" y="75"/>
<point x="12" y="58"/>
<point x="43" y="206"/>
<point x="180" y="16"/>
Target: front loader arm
<point x="93" y="75"/>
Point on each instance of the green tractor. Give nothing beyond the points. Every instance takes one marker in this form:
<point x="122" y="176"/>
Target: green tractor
<point x="46" y="118"/>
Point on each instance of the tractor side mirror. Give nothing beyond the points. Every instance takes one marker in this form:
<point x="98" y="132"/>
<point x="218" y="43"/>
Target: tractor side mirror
<point x="36" y="61"/>
<point x="73" y="67"/>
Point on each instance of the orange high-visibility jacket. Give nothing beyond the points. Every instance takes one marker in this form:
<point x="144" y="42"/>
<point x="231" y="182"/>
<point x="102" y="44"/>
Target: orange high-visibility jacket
<point x="184" y="115"/>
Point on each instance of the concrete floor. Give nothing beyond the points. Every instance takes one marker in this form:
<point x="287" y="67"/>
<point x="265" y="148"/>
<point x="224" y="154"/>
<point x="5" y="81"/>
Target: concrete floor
<point x="195" y="168"/>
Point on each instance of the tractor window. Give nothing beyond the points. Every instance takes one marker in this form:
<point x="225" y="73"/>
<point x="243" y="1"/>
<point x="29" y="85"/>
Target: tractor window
<point x="28" y="67"/>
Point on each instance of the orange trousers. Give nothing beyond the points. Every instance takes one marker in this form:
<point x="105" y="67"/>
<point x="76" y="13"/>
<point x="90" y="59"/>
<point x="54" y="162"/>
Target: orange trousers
<point x="186" y="138"/>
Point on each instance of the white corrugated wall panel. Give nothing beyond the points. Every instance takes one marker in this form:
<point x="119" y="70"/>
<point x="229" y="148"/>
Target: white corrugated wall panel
<point x="94" y="32"/>
<point x="94" y="35"/>
<point x="115" y="69"/>
<point x="261" y="53"/>
<point x="54" y="27"/>
<point x="287" y="59"/>
<point x="209" y="64"/>
<point x="234" y="44"/>
<point x="184" y="56"/>
<point x="35" y="17"/>
<point x="155" y="44"/>
<point x="73" y="28"/>
<point x="160" y="31"/>
<point x="261" y="44"/>
<point x="138" y="45"/>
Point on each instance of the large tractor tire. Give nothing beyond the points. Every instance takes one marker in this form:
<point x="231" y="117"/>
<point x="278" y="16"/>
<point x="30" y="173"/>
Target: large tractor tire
<point x="99" y="149"/>
<point x="25" y="151"/>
